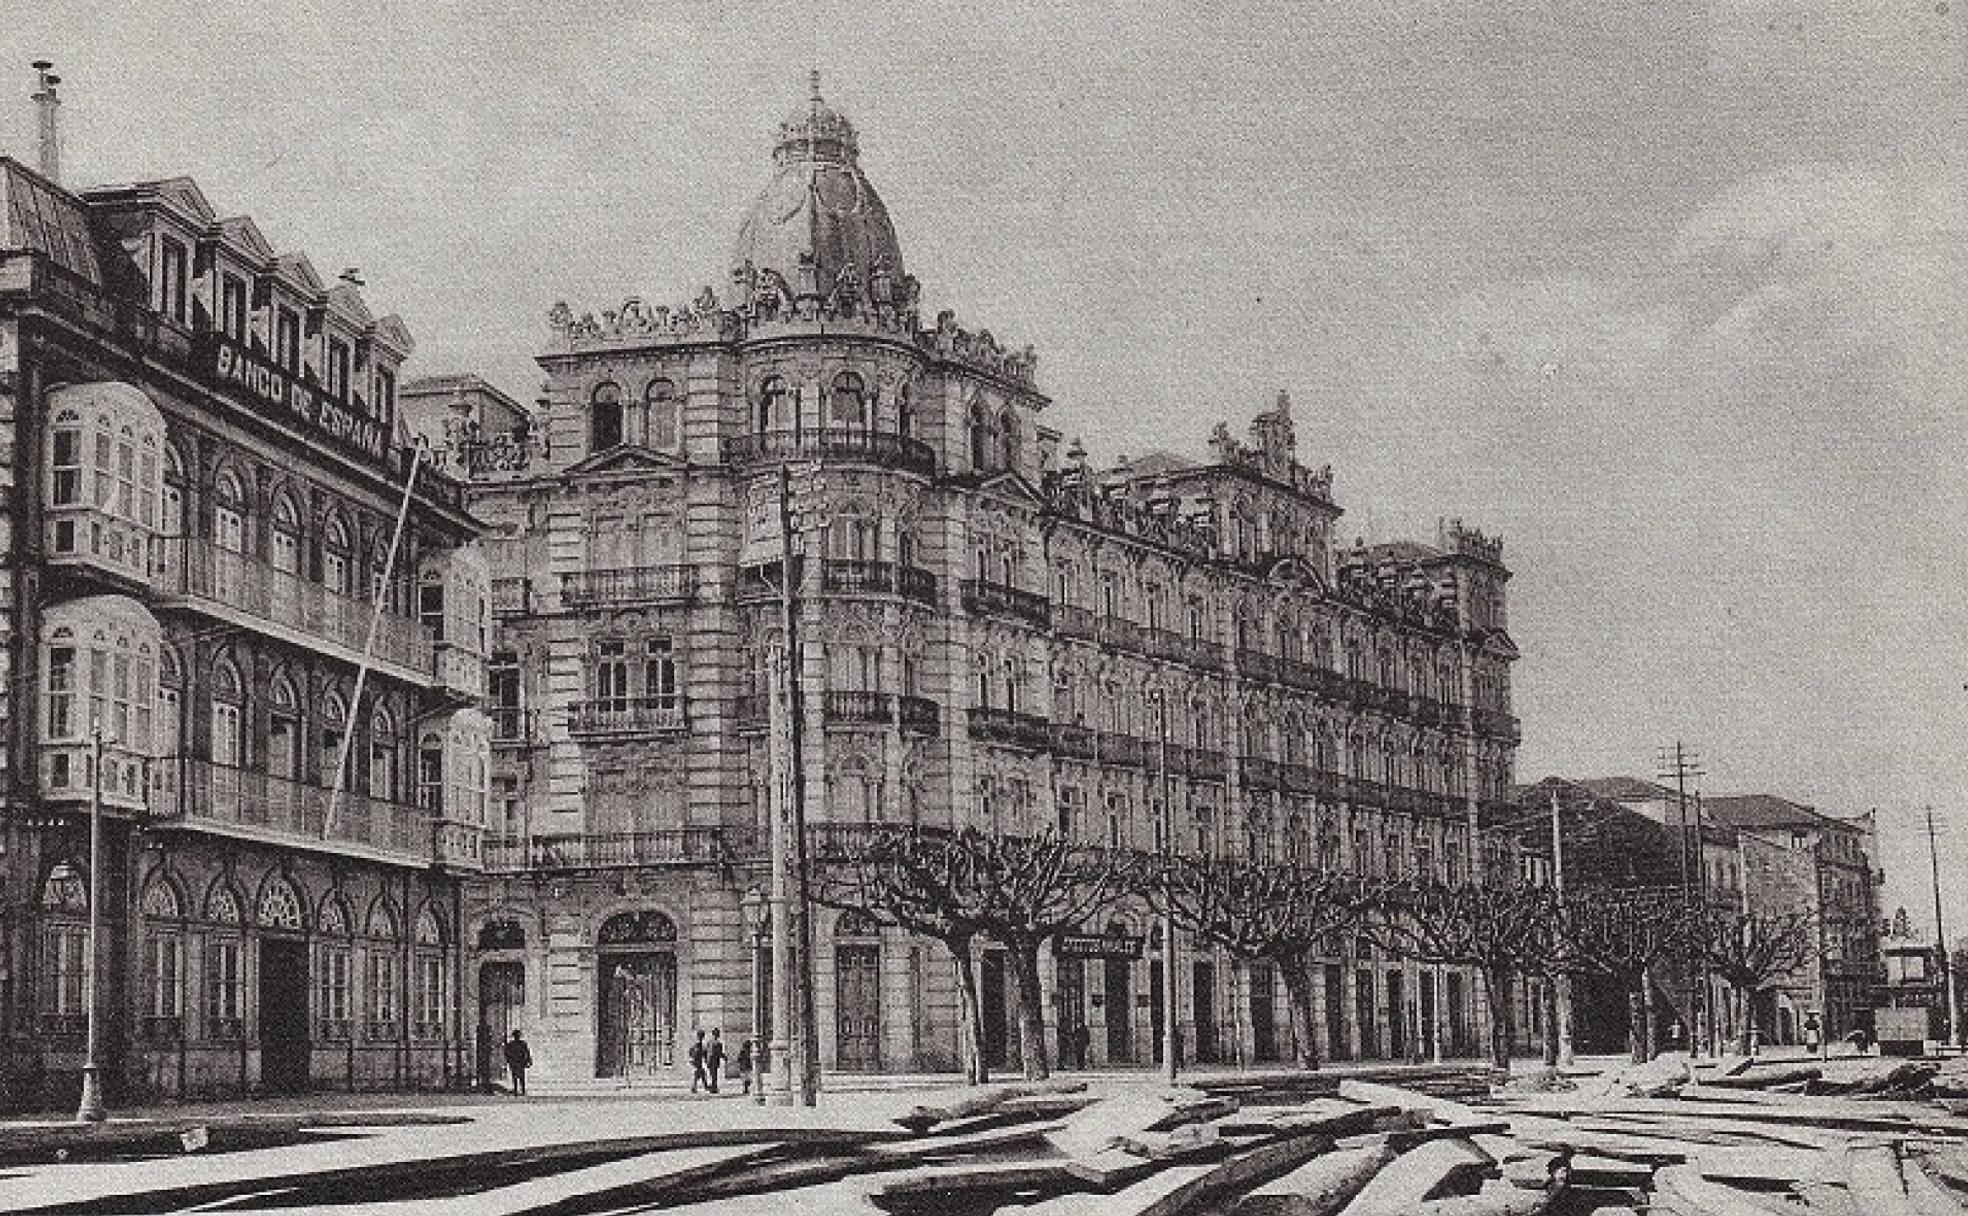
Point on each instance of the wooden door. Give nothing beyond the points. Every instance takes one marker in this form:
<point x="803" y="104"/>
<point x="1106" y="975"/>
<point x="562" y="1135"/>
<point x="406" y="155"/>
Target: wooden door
<point x="1397" y="1016"/>
<point x="1337" y="1048"/>
<point x="283" y="1015"/>
<point x="501" y="1009"/>
<point x="1119" y="1003"/>
<point x="1263" y="1012"/>
<point x="1204" y="995"/>
<point x="1070" y="992"/>
<point x="857" y="1008"/>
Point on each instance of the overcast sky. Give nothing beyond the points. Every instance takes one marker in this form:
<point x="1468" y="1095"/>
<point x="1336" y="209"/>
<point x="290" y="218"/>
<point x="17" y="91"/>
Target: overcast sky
<point x="1669" y="295"/>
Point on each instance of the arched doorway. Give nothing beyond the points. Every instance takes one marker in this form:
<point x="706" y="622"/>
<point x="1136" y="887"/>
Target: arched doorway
<point x="636" y="972"/>
<point x="501" y="993"/>
<point x="857" y="993"/>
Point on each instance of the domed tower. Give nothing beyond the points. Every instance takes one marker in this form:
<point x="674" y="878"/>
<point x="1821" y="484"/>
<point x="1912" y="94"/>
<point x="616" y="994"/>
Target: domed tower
<point x="818" y="222"/>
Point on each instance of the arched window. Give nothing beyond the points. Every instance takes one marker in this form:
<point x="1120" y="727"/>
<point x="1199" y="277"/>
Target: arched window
<point x="172" y="521"/>
<point x="384" y="990"/>
<point x="660" y="405"/>
<point x="770" y="414"/>
<point x="228" y="745"/>
<point x="431" y="981"/>
<point x="225" y="971"/>
<point x="283" y="729"/>
<point x="64" y="915"/>
<point x="430" y="772"/>
<point x="280" y="907"/>
<point x="980" y="438"/>
<point x="647" y="927"/>
<point x="856" y="923"/>
<point x="286" y="553"/>
<point x="334" y="728"/>
<point x="163" y="959"/>
<point x="337" y="546"/>
<point x="1008" y="440"/>
<point x="65" y="460"/>
<point x="382" y="755"/>
<point x="605" y="417"/>
<point x="229" y="512"/>
<point x="847" y="402"/>
<point x="905" y="411"/>
<point x="334" y="969"/>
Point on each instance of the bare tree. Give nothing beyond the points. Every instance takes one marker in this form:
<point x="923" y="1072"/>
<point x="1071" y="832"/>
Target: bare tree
<point x="1497" y="928"/>
<point x="921" y="883"/>
<point x="1624" y="934"/>
<point x="1030" y="889"/>
<point x="1273" y="913"/>
<point x="1753" y="951"/>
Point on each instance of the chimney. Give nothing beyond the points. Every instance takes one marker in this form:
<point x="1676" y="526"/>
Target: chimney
<point x="48" y="103"/>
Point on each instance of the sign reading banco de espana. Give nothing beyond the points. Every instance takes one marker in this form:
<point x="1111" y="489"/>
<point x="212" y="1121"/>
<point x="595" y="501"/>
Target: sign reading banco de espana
<point x="1095" y="945"/>
<point x="295" y="400"/>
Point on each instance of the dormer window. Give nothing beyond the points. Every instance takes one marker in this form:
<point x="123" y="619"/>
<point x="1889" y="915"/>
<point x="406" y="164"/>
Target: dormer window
<point x="385" y="403"/>
<point x="287" y="339"/>
<point x="173" y="287"/>
<point x="234" y="311"/>
<point x="338" y="369"/>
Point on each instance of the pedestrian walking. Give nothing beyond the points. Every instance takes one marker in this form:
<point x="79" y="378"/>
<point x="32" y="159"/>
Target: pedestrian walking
<point x="714" y="1058"/>
<point x="697" y="1054"/>
<point x="745" y="1067"/>
<point x="519" y="1058"/>
<point x="1811" y="1033"/>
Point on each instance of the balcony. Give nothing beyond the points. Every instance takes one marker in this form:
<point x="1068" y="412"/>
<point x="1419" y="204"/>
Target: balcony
<point x="246" y="591"/>
<point x="512" y="596"/>
<point x="628" y="716"/>
<point x="840" y="841"/>
<point x="1197" y="763"/>
<point x="1257" y="665"/>
<point x="919" y="715"/>
<point x="1361" y="792"/>
<point x="855" y="576"/>
<point x="1115" y="748"/>
<point x="1262" y="774"/>
<point x="628" y="585"/>
<point x="609" y="850"/>
<point x="1121" y="634"/>
<point x="1495" y="724"/>
<point x="853" y="708"/>
<point x="1310" y="782"/>
<point x="834" y="444"/>
<point x="263" y="807"/>
<point x="1309" y="677"/>
<point x="1010" y="727"/>
<point x="1072" y="621"/>
<point x="67" y="775"/>
<point x="89" y="537"/>
<point x="987" y="598"/>
<point x="1074" y="741"/>
<point x="1201" y="652"/>
<point x="1426" y="711"/>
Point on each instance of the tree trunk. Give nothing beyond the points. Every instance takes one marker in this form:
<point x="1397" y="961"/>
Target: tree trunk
<point x="1551" y="1022"/>
<point x="1636" y="1021"/>
<point x="1298" y="986"/>
<point x="970" y="1021"/>
<point x="1652" y="1020"/>
<point x="1031" y="1010"/>
<point x="1496" y="983"/>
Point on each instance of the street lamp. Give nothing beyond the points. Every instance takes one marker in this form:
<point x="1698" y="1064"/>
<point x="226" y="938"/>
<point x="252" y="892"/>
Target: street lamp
<point x="91" y="1108"/>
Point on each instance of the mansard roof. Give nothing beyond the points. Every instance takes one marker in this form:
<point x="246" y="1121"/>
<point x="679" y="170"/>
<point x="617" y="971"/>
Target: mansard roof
<point x="38" y="216"/>
<point x="245" y="236"/>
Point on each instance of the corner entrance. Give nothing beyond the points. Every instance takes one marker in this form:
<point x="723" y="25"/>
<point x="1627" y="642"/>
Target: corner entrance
<point x="283" y="1015"/>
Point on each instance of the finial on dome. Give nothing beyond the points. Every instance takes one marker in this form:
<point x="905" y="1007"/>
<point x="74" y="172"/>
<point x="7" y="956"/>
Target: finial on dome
<point x="813" y="83"/>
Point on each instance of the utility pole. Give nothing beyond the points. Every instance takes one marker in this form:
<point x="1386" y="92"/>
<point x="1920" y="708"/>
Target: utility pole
<point x="1940" y="936"/>
<point x="1563" y="981"/>
<point x="1170" y="1039"/>
<point x="1682" y="766"/>
<point x="91" y="1108"/>
<point x="794" y="1040"/>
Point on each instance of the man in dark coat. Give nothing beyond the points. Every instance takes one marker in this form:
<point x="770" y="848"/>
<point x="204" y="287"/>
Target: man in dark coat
<point x="714" y="1058"/>
<point x="519" y="1058"/>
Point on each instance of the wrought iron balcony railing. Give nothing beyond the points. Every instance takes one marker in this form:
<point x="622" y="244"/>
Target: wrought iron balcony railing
<point x="628" y="585"/>
<point x="628" y="716"/>
<point x="835" y="443"/>
<point x="609" y="850"/>
<point x="1009" y="726"/>
<point x="997" y="599"/>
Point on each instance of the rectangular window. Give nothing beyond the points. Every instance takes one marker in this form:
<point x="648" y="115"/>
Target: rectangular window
<point x="225" y="734"/>
<point x="430" y="996"/>
<point x="385" y="973"/>
<point x="430" y="608"/>
<point x="333" y="996"/>
<point x="233" y="312"/>
<point x="612" y="676"/>
<point x="338" y="369"/>
<point x="67" y="463"/>
<point x="225" y="990"/>
<point x="62" y="995"/>
<point x="166" y="967"/>
<point x="173" y="298"/>
<point x="660" y="673"/>
<point x="382" y="770"/>
<point x="61" y="692"/>
<point x="105" y="469"/>
<point x="385" y="408"/>
<point x="287" y="340"/>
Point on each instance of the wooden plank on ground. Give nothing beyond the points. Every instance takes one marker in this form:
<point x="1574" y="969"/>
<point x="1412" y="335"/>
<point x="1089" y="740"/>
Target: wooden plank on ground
<point x="980" y="1100"/>
<point x="1320" y="1187"/>
<point x="633" y="1179"/>
<point x="1146" y="1197"/>
<point x="1332" y="1115"/>
<point x="967" y="1142"/>
<point x="1763" y="1164"/>
<point x="1680" y="1190"/>
<point x="1872" y="1175"/>
<point x="1493" y="1199"/>
<point x="1414" y="1176"/>
<point x="1128" y="1114"/>
<point x="1446" y="1110"/>
<point x="975" y="1176"/>
<point x="1927" y="1195"/>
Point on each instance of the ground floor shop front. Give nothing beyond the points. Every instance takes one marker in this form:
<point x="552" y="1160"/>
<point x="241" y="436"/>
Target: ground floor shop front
<point x="229" y="967"/>
<point x="613" y="977"/>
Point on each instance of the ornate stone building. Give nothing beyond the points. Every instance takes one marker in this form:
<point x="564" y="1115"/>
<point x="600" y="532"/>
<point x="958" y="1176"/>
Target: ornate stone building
<point x="203" y="471"/>
<point x="992" y="632"/>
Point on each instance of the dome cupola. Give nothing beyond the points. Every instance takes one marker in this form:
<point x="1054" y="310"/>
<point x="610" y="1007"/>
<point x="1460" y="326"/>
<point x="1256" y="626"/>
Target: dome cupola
<point x="818" y="223"/>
